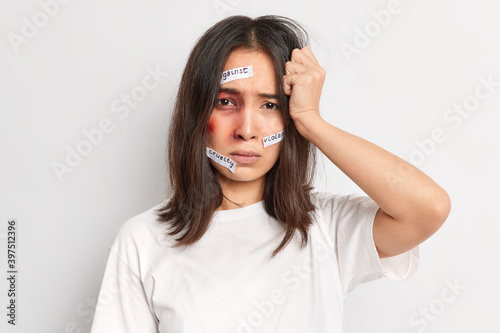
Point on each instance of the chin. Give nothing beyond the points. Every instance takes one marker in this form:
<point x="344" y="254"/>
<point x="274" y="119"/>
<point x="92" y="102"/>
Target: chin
<point x="241" y="175"/>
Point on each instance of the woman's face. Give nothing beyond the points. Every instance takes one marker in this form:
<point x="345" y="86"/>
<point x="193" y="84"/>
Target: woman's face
<point x="245" y="113"/>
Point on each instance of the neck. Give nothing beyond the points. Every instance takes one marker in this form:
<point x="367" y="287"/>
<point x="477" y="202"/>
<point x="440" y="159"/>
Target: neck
<point x="241" y="194"/>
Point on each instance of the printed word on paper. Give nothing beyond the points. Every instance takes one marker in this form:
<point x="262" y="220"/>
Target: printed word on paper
<point x="221" y="159"/>
<point x="236" y="73"/>
<point x="272" y="139"/>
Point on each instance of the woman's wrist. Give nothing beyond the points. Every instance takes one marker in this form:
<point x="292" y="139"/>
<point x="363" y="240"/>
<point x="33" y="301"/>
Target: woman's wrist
<point x="310" y="125"/>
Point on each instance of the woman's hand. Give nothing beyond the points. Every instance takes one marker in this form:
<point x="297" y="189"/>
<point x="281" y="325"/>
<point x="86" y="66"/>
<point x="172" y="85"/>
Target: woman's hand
<point x="411" y="210"/>
<point x="303" y="82"/>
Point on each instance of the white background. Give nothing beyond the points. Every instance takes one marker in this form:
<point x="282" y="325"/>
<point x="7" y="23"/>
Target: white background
<point x="66" y="77"/>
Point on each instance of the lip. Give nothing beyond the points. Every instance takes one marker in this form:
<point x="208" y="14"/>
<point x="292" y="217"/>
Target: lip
<point x="245" y="156"/>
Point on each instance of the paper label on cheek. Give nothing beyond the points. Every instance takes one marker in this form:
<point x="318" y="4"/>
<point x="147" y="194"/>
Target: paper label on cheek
<point x="221" y="159"/>
<point x="236" y="73"/>
<point x="272" y="139"/>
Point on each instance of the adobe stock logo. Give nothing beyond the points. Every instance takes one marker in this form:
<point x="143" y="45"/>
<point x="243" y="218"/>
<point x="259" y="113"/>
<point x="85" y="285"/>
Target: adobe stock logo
<point x="31" y="27"/>
<point x="223" y="6"/>
<point x="453" y="117"/>
<point x="364" y="36"/>
<point x="121" y="106"/>
<point x="430" y="313"/>
<point x="291" y="279"/>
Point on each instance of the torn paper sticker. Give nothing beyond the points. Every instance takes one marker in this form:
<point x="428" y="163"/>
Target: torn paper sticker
<point x="272" y="139"/>
<point x="221" y="159"/>
<point x="236" y="73"/>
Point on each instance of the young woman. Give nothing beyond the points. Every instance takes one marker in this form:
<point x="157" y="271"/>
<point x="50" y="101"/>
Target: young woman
<point x="242" y="244"/>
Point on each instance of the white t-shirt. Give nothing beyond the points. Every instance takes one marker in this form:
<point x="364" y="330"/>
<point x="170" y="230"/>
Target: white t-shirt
<point x="227" y="281"/>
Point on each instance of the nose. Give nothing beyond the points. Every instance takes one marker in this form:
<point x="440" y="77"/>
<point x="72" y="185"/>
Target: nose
<point x="247" y="125"/>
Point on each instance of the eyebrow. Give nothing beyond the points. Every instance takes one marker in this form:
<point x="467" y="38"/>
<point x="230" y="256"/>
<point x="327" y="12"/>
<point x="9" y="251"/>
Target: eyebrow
<point x="236" y="91"/>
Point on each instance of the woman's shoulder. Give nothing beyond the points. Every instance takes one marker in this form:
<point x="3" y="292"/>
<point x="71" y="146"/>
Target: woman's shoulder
<point x="139" y="243"/>
<point x="141" y="229"/>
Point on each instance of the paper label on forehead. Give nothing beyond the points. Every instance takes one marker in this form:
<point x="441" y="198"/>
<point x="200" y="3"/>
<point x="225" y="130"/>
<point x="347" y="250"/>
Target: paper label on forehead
<point x="272" y="139"/>
<point x="221" y="159"/>
<point x="236" y="73"/>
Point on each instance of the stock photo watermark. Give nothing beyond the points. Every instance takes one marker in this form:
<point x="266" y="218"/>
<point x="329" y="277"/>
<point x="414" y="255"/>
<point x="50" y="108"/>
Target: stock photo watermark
<point x="429" y="313"/>
<point x="94" y="137"/>
<point x="30" y="27"/>
<point x="363" y="36"/>
<point x="453" y="117"/>
<point x="293" y="277"/>
<point x="11" y="238"/>
<point x="86" y="309"/>
<point x="224" y="8"/>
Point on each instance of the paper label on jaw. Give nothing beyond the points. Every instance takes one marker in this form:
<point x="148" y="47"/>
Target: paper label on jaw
<point x="221" y="159"/>
<point x="236" y="73"/>
<point x="272" y="139"/>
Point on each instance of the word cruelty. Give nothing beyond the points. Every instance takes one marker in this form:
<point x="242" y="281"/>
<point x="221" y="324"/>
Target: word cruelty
<point x="221" y="159"/>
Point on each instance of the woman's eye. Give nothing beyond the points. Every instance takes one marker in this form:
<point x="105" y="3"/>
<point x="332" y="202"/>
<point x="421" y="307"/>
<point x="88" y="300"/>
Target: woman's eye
<point x="271" y="106"/>
<point x="225" y="102"/>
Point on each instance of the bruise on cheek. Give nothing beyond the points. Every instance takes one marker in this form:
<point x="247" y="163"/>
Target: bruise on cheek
<point x="212" y="125"/>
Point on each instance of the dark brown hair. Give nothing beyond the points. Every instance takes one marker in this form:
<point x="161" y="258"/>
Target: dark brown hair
<point x="196" y="192"/>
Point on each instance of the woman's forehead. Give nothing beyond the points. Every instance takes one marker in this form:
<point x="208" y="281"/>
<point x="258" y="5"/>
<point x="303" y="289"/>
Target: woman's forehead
<point x="246" y="57"/>
<point x="246" y="67"/>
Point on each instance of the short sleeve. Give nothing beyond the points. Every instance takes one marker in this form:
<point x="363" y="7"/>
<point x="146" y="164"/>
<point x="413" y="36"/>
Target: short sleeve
<point x="350" y="223"/>
<point x="122" y="305"/>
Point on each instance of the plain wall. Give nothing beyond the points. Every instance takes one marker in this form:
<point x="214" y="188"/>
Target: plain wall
<point x="395" y="80"/>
